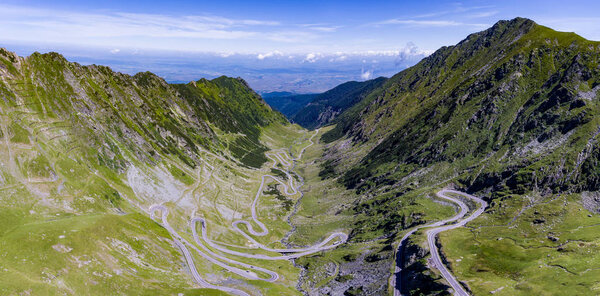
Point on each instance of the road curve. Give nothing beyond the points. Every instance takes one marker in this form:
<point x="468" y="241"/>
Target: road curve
<point x="210" y="256"/>
<point x="188" y="256"/>
<point x="440" y="226"/>
<point x="288" y="189"/>
<point x="311" y="143"/>
<point x="217" y="259"/>
<point x="294" y="190"/>
<point x="298" y="252"/>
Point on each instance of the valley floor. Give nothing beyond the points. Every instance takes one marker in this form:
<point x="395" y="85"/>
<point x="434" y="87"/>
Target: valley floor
<point x="222" y="228"/>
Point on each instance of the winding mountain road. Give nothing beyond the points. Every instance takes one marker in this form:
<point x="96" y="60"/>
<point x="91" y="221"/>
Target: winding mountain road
<point x="250" y="270"/>
<point x="181" y="243"/>
<point x="440" y="226"/>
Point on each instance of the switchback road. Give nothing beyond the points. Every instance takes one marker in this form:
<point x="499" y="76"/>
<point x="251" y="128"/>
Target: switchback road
<point x="440" y="226"/>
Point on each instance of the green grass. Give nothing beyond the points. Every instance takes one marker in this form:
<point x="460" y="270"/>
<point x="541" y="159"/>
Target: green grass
<point x="67" y="162"/>
<point x="77" y="253"/>
<point x="329" y="207"/>
<point x="321" y="210"/>
<point x="69" y="157"/>
<point x="521" y="258"/>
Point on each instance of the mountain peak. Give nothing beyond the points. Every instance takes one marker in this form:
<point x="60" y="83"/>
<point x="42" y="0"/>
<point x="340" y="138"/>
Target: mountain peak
<point x="512" y="29"/>
<point x="50" y="56"/>
<point x="13" y="57"/>
<point x="515" y="22"/>
<point x="520" y="24"/>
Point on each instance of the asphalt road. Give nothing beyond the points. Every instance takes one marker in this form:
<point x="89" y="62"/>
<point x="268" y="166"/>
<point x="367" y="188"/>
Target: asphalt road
<point x="440" y="226"/>
<point x="250" y="270"/>
<point x="181" y="243"/>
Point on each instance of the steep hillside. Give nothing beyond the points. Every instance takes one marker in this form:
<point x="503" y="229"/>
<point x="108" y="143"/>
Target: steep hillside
<point x="118" y="184"/>
<point x="509" y="114"/>
<point x="327" y="106"/>
<point x="232" y="107"/>
<point x="91" y="158"/>
<point x="514" y="95"/>
<point x="142" y="111"/>
<point x="288" y="103"/>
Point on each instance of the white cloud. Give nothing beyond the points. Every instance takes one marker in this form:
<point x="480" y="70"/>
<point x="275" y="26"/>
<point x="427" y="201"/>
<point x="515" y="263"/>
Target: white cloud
<point x="110" y="31"/>
<point x="426" y="23"/>
<point x="388" y="53"/>
<point x="339" y="58"/>
<point x="137" y="30"/>
<point x="483" y="14"/>
<point x="312" y="57"/>
<point x="269" y="54"/>
<point x="366" y="75"/>
<point x="325" y="29"/>
<point x="458" y="10"/>
<point x="290" y="36"/>
<point x="321" y="27"/>
<point x="79" y="24"/>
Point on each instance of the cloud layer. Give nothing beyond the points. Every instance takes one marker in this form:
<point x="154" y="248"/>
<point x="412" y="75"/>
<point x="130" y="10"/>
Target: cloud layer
<point x="279" y="45"/>
<point x="139" y="30"/>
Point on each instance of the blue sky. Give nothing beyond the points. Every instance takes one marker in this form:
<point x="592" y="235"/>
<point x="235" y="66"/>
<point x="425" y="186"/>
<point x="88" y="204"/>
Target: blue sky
<point x="367" y="38"/>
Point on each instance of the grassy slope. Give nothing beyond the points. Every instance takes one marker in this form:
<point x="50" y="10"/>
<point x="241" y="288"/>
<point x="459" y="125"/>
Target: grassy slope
<point x="56" y="163"/>
<point x="86" y="151"/>
<point x="504" y="114"/>
<point x="90" y="254"/>
<point x="327" y="206"/>
<point x="232" y="107"/>
<point x="550" y="247"/>
<point x="503" y="108"/>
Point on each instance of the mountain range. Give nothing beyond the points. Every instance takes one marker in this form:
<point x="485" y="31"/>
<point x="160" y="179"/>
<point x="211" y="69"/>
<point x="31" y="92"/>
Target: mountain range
<point x="315" y="110"/>
<point x="508" y="114"/>
<point x="328" y="201"/>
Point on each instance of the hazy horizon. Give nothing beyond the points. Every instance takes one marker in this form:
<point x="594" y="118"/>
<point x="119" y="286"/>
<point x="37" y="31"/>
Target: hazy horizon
<point x="298" y="47"/>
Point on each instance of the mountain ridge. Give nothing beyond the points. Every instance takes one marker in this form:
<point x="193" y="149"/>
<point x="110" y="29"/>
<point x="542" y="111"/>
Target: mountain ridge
<point x="324" y="108"/>
<point x="509" y="114"/>
<point x="149" y="82"/>
<point x="506" y="114"/>
<point x="288" y="103"/>
<point x="86" y="151"/>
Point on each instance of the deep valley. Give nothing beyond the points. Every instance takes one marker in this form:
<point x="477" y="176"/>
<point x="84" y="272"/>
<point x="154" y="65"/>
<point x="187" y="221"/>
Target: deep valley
<point x="475" y="171"/>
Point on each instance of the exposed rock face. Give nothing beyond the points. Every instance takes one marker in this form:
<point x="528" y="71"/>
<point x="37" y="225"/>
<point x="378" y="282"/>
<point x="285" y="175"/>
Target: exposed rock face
<point x="143" y="111"/>
<point x="85" y="152"/>
<point x="591" y="201"/>
<point x="352" y="278"/>
<point x="416" y="278"/>
<point x="516" y="94"/>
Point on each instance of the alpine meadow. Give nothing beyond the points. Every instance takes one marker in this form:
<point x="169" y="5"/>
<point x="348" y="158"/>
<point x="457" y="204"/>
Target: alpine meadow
<point x="293" y="149"/>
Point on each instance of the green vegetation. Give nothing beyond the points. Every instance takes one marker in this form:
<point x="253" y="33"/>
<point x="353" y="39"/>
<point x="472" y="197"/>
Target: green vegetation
<point x="232" y="107"/>
<point x="508" y="112"/>
<point x="546" y="246"/>
<point x="92" y="254"/>
<point x="326" y="106"/>
<point x="86" y="151"/>
<point x="288" y="103"/>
